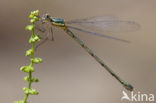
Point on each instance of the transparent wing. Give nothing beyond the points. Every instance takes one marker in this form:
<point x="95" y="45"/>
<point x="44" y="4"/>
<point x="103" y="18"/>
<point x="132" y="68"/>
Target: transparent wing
<point x="105" y="23"/>
<point x="99" y="34"/>
<point x="45" y="31"/>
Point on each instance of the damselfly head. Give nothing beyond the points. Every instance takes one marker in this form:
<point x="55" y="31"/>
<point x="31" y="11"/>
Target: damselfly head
<point x="46" y="17"/>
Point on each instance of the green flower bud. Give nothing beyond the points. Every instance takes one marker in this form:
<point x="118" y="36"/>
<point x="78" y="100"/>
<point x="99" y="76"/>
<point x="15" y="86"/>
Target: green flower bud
<point x="30" y="69"/>
<point x="27" y="69"/>
<point x="36" y="18"/>
<point x="37" y="60"/>
<point x="26" y="78"/>
<point x="23" y="68"/>
<point x="35" y="80"/>
<point x="29" y="52"/>
<point x="37" y="38"/>
<point x="26" y="90"/>
<point x="33" y="92"/>
<point x="31" y="40"/>
<point x="20" y="101"/>
<point x="31" y="16"/>
<point x="36" y="13"/>
<point x="32" y="20"/>
<point x="29" y="27"/>
<point x="30" y="91"/>
<point x="34" y="39"/>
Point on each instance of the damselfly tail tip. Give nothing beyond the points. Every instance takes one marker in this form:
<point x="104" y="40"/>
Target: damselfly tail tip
<point x="128" y="86"/>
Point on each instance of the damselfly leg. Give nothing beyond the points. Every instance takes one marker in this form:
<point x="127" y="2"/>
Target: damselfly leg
<point x="46" y="32"/>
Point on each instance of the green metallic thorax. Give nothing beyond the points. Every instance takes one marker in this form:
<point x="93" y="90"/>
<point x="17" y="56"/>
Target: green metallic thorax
<point x="58" y="22"/>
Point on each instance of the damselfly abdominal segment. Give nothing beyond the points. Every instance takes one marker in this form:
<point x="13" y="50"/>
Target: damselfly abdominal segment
<point x="105" y="23"/>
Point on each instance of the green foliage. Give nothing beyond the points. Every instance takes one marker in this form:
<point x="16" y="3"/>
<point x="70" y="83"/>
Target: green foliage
<point x="31" y="52"/>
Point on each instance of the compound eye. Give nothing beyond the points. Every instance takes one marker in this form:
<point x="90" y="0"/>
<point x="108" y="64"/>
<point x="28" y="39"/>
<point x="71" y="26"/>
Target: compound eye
<point x="47" y="16"/>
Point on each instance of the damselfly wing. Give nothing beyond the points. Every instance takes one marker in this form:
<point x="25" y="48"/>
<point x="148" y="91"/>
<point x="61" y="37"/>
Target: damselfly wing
<point x="99" y="26"/>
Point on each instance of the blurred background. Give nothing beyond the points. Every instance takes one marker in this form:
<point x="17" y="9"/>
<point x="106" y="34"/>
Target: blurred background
<point x="69" y="74"/>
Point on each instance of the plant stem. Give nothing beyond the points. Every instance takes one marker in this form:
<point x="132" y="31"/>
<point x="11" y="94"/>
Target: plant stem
<point x="31" y="52"/>
<point x="31" y="64"/>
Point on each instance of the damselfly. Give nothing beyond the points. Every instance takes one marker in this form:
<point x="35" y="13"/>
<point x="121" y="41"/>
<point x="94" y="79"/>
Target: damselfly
<point x="104" y="23"/>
